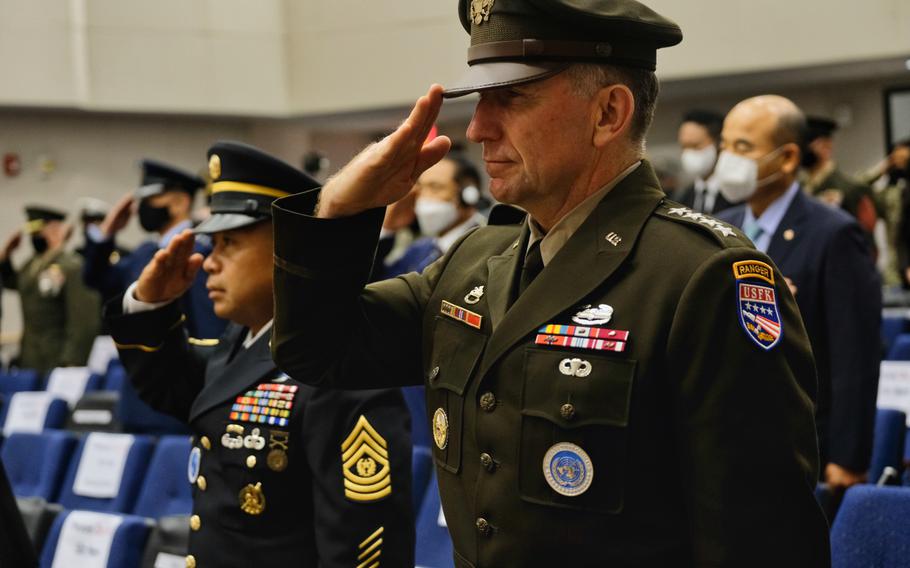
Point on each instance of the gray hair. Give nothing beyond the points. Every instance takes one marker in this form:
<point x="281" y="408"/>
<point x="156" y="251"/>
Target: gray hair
<point x="588" y="78"/>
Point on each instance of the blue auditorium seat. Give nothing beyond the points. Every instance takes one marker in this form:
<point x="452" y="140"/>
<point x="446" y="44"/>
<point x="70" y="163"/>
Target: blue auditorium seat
<point x="900" y="349"/>
<point x="891" y="328"/>
<point x="126" y="547"/>
<point x="421" y="472"/>
<point x="166" y="491"/>
<point x="54" y="417"/>
<point x="124" y="497"/>
<point x="18" y="380"/>
<point x="434" y="545"/>
<point x="871" y="528"/>
<point x="134" y="414"/>
<point x="888" y="443"/>
<point x="416" y="400"/>
<point x="36" y="463"/>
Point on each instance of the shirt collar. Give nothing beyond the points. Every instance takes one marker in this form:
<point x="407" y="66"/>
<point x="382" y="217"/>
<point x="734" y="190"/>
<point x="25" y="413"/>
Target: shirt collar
<point x="552" y="241"/>
<point x="252" y="339"/>
<point x="445" y="242"/>
<point x="774" y="214"/>
<point x="175" y="230"/>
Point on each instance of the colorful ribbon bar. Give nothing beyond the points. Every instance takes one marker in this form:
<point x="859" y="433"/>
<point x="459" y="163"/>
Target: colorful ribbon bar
<point x="580" y="342"/>
<point x="461" y="314"/>
<point x="581" y="331"/>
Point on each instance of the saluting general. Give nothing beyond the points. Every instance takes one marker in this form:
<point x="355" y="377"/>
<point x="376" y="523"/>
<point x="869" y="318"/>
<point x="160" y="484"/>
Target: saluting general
<point x="612" y="379"/>
<point x="283" y="474"/>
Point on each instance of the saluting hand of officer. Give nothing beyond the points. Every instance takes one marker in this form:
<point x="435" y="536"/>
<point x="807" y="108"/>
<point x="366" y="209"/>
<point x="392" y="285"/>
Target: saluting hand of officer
<point x="171" y="271"/>
<point x="12" y="243"/>
<point x="118" y="216"/>
<point x="386" y="171"/>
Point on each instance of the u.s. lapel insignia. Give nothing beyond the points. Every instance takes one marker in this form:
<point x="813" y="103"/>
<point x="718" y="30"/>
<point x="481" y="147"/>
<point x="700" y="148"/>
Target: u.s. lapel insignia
<point x="458" y="313"/>
<point x="594" y="315"/>
<point x="474" y="295"/>
<point x="365" y="464"/>
<point x="568" y="469"/>
<point x="756" y="301"/>
<point x="252" y="499"/>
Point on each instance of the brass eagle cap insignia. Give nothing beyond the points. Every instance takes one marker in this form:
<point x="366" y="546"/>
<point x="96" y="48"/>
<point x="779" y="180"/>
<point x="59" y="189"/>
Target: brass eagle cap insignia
<point x="480" y="11"/>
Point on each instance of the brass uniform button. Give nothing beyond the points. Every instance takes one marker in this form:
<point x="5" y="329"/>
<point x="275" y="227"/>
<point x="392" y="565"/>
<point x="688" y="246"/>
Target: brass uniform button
<point x="487" y="402"/>
<point x="251" y="461"/>
<point x="195" y="522"/>
<point x="206" y="443"/>
<point x="567" y="411"/>
<point x="483" y="527"/>
<point x="201" y="483"/>
<point x="486" y="460"/>
<point x="434" y="373"/>
<point x="190" y="561"/>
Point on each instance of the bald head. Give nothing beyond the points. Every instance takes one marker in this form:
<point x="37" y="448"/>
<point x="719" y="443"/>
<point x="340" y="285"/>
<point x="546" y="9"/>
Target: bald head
<point x="782" y="120"/>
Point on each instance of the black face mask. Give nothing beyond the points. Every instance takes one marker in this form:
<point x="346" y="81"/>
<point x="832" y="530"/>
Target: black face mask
<point x="39" y="243"/>
<point x="153" y="219"/>
<point x="809" y="159"/>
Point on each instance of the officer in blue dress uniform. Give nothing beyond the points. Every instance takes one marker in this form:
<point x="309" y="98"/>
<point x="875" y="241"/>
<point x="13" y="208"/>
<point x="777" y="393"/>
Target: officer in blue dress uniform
<point x="283" y="474"/>
<point x="165" y="200"/>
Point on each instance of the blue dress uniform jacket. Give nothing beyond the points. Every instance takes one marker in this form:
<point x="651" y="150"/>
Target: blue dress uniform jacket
<point x="826" y="255"/>
<point x="284" y="474"/>
<point x="693" y="445"/>
<point x="112" y="279"/>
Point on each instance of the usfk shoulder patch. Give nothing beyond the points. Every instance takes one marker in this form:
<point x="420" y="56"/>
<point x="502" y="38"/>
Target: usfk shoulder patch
<point x="756" y="301"/>
<point x="365" y="464"/>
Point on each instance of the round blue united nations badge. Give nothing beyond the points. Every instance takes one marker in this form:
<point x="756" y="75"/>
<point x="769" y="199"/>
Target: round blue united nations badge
<point x="192" y="467"/>
<point x="568" y="469"/>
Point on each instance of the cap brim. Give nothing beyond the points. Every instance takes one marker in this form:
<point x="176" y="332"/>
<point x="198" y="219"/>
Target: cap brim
<point x="497" y="74"/>
<point x="225" y="222"/>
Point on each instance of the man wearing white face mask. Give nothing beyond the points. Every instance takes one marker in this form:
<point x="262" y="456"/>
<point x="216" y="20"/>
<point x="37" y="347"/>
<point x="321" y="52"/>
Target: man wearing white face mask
<point x="699" y="138"/>
<point x="448" y="196"/>
<point x="826" y="258"/>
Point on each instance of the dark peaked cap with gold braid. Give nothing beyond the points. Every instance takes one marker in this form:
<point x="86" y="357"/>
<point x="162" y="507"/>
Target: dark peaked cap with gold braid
<point x="519" y="41"/>
<point x="245" y="182"/>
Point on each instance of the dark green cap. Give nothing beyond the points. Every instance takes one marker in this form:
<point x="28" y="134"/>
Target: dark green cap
<point x="519" y="41"/>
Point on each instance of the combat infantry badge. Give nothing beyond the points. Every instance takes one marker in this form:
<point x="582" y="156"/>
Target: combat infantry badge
<point x="480" y="11"/>
<point x="757" y="302"/>
<point x="594" y="315"/>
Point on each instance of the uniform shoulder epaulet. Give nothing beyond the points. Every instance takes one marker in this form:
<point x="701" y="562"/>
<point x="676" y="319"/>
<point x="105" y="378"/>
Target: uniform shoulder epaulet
<point x="725" y="234"/>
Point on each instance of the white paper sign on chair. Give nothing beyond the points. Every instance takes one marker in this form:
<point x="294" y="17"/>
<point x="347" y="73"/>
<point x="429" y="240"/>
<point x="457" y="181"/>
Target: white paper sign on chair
<point x="85" y="540"/>
<point x="101" y="465"/>
<point x="27" y="412"/>
<point x="68" y="383"/>
<point x="103" y="350"/>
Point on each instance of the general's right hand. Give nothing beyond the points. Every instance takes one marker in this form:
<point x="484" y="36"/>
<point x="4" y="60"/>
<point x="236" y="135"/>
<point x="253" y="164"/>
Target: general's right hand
<point x="119" y="215"/>
<point x="171" y="271"/>
<point x="12" y="243"/>
<point x="386" y="171"/>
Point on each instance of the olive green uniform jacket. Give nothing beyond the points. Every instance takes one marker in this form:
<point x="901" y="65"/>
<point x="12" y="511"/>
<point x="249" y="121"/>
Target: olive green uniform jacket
<point x="61" y="317"/>
<point x="702" y="443"/>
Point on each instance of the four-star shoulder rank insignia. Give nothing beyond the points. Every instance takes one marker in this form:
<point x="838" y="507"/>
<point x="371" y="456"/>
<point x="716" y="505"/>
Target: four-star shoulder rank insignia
<point x="365" y="464"/>
<point x="687" y="213"/>
<point x="757" y="302"/>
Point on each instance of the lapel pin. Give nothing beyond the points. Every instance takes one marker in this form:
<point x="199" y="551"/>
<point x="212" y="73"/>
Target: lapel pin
<point x="789" y="234"/>
<point x="613" y="239"/>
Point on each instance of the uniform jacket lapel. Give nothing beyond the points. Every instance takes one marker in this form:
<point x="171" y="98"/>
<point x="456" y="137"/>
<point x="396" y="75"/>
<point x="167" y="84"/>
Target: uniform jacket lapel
<point x="582" y="265"/>
<point x="780" y="248"/>
<point x="503" y="270"/>
<point x="226" y="377"/>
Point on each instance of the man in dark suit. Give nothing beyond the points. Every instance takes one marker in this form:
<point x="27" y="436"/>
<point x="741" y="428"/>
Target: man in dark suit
<point x="699" y="139"/>
<point x="596" y="393"/>
<point x="825" y="257"/>
<point x="284" y="474"/>
<point x="163" y="204"/>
